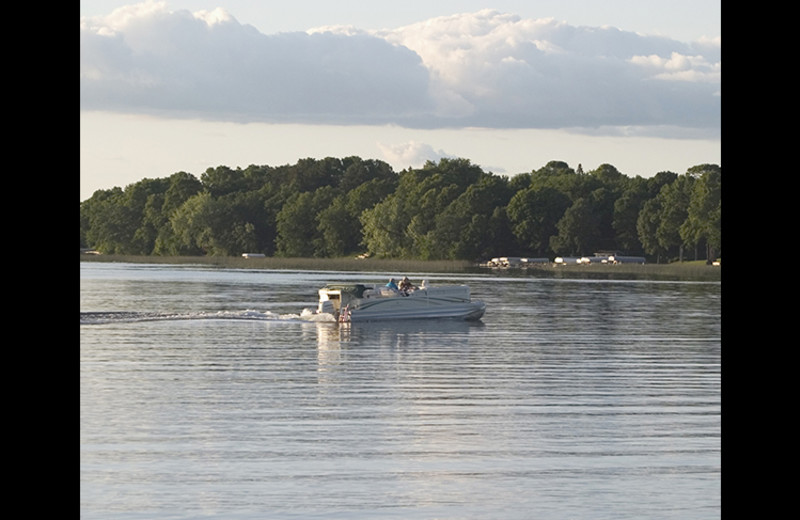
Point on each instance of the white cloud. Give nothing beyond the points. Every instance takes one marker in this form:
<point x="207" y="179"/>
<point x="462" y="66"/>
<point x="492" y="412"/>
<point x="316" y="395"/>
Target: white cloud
<point x="218" y="15"/>
<point x="485" y="69"/>
<point x="210" y="66"/>
<point x="679" y="67"/>
<point x="506" y="71"/>
<point x="412" y="154"/>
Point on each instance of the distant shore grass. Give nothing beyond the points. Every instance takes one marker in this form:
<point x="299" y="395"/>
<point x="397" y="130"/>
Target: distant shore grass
<point x="679" y="271"/>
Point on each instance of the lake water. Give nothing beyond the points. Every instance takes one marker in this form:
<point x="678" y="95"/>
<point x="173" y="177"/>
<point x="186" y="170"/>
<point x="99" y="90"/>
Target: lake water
<point x="210" y="393"/>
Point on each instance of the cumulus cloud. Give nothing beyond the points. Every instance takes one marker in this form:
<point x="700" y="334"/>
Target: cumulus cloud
<point x="486" y="69"/>
<point x="412" y="154"/>
<point x="496" y="69"/>
<point x="208" y="65"/>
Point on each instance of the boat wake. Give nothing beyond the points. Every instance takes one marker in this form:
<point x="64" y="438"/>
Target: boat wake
<point x="99" y="318"/>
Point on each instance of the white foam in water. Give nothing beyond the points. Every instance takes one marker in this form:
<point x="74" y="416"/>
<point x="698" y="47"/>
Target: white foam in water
<point x="309" y="315"/>
<point x="306" y="315"/>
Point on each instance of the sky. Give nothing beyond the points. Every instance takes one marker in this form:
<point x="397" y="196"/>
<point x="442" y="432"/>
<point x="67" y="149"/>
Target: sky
<point x="186" y="85"/>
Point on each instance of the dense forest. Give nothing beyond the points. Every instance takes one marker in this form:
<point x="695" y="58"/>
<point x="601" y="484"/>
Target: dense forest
<point x="446" y="210"/>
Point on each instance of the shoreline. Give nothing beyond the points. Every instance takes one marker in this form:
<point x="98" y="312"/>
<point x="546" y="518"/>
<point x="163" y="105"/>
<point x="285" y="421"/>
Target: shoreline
<point x="683" y="271"/>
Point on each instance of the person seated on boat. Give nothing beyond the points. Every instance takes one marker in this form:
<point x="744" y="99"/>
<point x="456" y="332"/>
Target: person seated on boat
<point x="392" y="285"/>
<point x="406" y="286"/>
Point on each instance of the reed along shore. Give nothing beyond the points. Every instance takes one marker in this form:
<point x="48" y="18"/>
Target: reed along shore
<point x="678" y="271"/>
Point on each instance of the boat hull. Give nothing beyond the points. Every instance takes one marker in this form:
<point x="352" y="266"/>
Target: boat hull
<point x="468" y="311"/>
<point x="357" y="303"/>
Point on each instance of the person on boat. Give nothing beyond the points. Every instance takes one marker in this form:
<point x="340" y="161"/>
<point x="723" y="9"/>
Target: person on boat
<point x="392" y="285"/>
<point x="406" y="286"/>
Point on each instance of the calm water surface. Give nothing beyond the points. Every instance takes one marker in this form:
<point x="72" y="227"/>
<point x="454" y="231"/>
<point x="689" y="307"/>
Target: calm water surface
<point x="211" y="393"/>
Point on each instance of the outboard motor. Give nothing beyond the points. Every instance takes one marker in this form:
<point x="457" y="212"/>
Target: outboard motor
<point x="326" y="307"/>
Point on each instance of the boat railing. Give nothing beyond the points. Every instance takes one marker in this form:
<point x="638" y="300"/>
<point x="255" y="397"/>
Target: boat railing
<point x="451" y="291"/>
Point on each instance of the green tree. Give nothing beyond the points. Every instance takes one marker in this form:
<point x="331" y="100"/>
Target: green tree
<point x="558" y="175"/>
<point x="358" y="172"/>
<point x="298" y="223"/>
<point x="646" y="226"/>
<point x="649" y="216"/>
<point x="675" y="210"/>
<point x="153" y="220"/>
<point x="401" y="225"/>
<point x="384" y="226"/>
<point x="237" y="224"/>
<point x="182" y="186"/>
<point x="500" y="237"/>
<point x="520" y="182"/>
<point x="534" y="214"/>
<point x="311" y="174"/>
<point x="608" y="175"/>
<point x="191" y="230"/>
<point x="116" y="218"/>
<point x="626" y="213"/>
<point x="339" y="235"/>
<point x="551" y="169"/>
<point x="105" y="222"/>
<point x="223" y="180"/>
<point x="366" y="195"/>
<point x="446" y="209"/>
<point x="463" y="229"/>
<point x="583" y="228"/>
<point x="143" y="200"/>
<point x="659" y="180"/>
<point x="340" y="225"/>
<point x="703" y="224"/>
<point x="660" y="221"/>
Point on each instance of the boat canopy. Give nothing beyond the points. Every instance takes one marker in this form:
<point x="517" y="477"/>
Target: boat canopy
<point x="355" y="290"/>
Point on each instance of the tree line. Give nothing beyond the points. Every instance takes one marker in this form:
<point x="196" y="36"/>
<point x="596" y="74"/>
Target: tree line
<point x="450" y="209"/>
